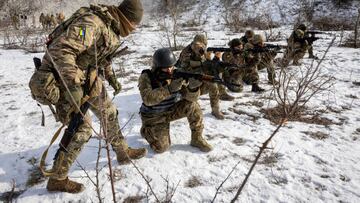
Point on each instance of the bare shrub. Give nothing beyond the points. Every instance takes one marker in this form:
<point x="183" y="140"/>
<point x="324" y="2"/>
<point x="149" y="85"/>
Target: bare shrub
<point x="193" y="182"/>
<point x="167" y="13"/>
<point x="327" y="23"/>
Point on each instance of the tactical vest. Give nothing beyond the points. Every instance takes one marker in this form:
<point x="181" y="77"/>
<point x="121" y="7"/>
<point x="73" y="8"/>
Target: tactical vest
<point x="163" y="106"/>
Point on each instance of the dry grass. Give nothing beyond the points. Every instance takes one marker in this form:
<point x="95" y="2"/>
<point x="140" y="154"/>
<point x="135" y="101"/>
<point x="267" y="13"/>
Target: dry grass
<point x="304" y="115"/>
<point x="238" y="141"/>
<point x="193" y="182"/>
<point x="317" y="135"/>
<point x="134" y="199"/>
<point x="332" y="24"/>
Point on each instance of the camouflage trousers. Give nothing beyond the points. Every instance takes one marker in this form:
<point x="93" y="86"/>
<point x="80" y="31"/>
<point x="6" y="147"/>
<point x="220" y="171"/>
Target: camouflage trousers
<point x="293" y="54"/>
<point x="247" y="75"/>
<point x="66" y="157"/>
<point x="156" y="127"/>
<point x="270" y="68"/>
<point x="214" y="90"/>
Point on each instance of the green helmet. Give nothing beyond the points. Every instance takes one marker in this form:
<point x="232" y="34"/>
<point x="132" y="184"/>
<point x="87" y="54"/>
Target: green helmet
<point x="234" y="42"/>
<point x="302" y="27"/>
<point x="163" y="58"/>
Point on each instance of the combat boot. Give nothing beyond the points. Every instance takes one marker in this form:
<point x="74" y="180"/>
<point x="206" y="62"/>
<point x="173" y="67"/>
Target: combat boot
<point x="65" y="185"/>
<point x="125" y="153"/>
<point x="313" y="57"/>
<point x="199" y="142"/>
<point x="256" y="88"/>
<point x="226" y="97"/>
<point x="218" y="115"/>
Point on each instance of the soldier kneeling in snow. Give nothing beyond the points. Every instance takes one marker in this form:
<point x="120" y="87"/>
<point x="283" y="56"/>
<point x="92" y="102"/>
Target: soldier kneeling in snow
<point x="166" y="100"/>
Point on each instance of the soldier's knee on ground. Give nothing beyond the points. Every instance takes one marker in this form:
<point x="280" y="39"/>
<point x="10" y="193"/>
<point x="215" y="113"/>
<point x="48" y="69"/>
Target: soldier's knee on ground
<point x="161" y="145"/>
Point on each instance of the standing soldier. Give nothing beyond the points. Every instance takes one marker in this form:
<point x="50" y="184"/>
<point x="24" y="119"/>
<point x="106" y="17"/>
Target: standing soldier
<point x="53" y="22"/>
<point x="47" y="21"/>
<point x="76" y="51"/>
<point x="42" y="20"/>
<point x="297" y="46"/>
<point x="234" y="76"/>
<point x="251" y="61"/>
<point x="166" y="100"/>
<point x="15" y="21"/>
<point x="267" y="61"/>
<point x="191" y="59"/>
<point x="60" y="17"/>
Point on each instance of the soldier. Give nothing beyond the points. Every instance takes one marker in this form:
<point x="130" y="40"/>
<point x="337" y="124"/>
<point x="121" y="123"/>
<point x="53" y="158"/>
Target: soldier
<point x="232" y="75"/>
<point x="60" y="17"/>
<point x="53" y="21"/>
<point x="267" y="61"/>
<point x="246" y="57"/>
<point x="42" y="20"/>
<point x="47" y="21"/>
<point x="166" y="100"/>
<point x="297" y="46"/>
<point x="90" y="37"/>
<point x="248" y="35"/>
<point x="15" y="21"/>
<point x="251" y="61"/>
<point x="191" y="59"/>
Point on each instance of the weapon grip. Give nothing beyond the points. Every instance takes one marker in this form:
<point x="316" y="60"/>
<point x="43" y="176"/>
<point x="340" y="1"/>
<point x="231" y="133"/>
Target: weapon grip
<point x="37" y="63"/>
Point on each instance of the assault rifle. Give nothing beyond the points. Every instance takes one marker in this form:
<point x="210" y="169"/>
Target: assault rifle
<point x="266" y="48"/>
<point x="310" y="35"/>
<point x="201" y="77"/>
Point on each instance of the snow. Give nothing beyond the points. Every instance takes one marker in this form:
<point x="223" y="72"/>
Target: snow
<point x="305" y="169"/>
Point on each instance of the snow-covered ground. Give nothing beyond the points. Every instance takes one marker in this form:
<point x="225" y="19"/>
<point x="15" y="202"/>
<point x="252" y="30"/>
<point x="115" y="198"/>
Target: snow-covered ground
<point x="298" y="168"/>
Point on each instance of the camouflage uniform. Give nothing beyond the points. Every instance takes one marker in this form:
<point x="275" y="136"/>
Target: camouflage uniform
<point x="53" y="21"/>
<point x="267" y="61"/>
<point x="191" y="61"/>
<point x="160" y="107"/>
<point x="87" y="38"/>
<point x="296" y="49"/>
<point x="15" y="21"/>
<point x="42" y="20"/>
<point x="60" y="17"/>
<point x="249" y="74"/>
<point x="234" y="75"/>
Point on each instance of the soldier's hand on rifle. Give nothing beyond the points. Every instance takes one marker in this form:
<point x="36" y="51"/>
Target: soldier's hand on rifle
<point x="115" y="84"/>
<point x="75" y="95"/>
<point x="194" y="84"/>
<point x="175" y="85"/>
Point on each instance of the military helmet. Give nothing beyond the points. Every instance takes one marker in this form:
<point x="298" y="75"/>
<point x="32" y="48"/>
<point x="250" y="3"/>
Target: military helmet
<point x="163" y="58"/>
<point x="257" y="39"/>
<point x="302" y="27"/>
<point x="132" y="9"/>
<point x="234" y="42"/>
<point x="200" y="38"/>
<point x="249" y="34"/>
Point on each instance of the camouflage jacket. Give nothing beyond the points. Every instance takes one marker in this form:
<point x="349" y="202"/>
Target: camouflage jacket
<point x="189" y="61"/>
<point x="154" y="96"/>
<point x="229" y="57"/>
<point x="89" y="39"/>
<point x="251" y="59"/>
<point x="296" y="40"/>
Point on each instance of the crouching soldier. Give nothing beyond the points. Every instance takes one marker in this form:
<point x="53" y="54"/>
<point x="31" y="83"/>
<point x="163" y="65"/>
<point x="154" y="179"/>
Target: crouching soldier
<point x="297" y="47"/>
<point x="166" y="100"/>
<point x="77" y="53"/>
